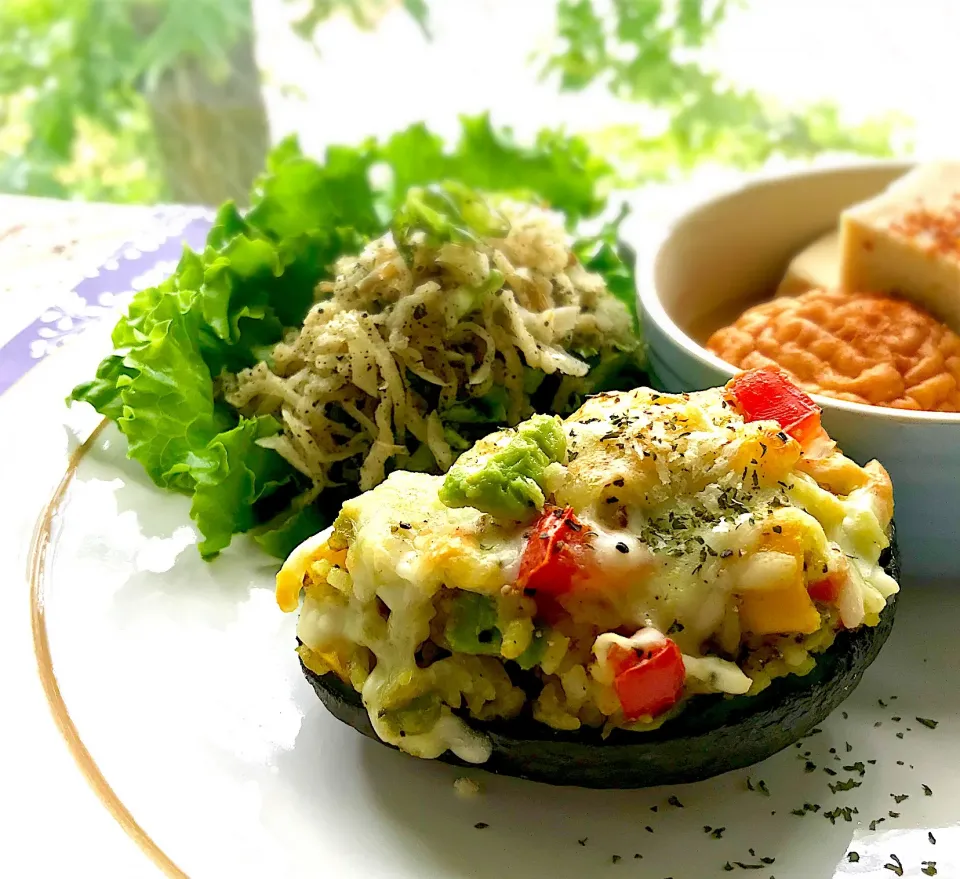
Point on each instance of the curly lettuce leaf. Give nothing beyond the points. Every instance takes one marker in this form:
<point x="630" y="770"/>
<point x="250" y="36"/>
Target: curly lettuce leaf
<point x="222" y="309"/>
<point x="315" y="212"/>
<point x="232" y="475"/>
<point x="174" y="339"/>
<point x="299" y="196"/>
<point x="557" y="168"/>
<point x="284" y="534"/>
<point x="101" y="391"/>
<point x="605" y="254"/>
<point x="168" y="411"/>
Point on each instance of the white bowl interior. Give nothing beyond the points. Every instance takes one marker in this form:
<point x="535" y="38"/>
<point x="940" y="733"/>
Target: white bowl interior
<point x="710" y="268"/>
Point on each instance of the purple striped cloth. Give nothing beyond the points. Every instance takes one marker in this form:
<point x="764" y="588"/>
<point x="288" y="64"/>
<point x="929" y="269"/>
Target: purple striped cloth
<point x="135" y="266"/>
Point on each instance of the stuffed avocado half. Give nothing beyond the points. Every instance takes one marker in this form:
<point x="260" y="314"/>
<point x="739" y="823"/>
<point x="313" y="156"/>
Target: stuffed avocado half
<point x="660" y="588"/>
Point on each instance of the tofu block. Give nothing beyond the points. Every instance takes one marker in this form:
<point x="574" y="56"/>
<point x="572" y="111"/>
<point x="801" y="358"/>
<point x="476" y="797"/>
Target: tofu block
<point x="906" y="241"/>
<point x="816" y="267"/>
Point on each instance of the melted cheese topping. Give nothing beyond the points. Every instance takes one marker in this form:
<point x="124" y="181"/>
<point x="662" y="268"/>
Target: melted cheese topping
<point x="700" y="524"/>
<point x="717" y="675"/>
<point x="645" y="639"/>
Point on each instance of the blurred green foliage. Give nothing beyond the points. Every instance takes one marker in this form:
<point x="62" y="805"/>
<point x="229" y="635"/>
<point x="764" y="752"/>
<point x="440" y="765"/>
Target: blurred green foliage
<point x="645" y="51"/>
<point x="64" y="69"/>
<point x="146" y="100"/>
<point x="365" y="14"/>
<point x="86" y="87"/>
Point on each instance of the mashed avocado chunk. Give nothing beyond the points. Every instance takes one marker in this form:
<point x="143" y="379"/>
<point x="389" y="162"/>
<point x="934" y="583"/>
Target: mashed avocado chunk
<point x="418" y="716"/>
<point x="509" y="482"/>
<point x="472" y="626"/>
<point x="533" y="655"/>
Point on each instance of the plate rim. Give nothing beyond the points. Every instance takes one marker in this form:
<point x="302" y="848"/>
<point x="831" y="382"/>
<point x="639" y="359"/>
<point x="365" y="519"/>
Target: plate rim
<point x="42" y="541"/>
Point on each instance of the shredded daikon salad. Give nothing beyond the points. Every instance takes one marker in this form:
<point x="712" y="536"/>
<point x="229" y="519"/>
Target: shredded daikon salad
<point x="405" y="359"/>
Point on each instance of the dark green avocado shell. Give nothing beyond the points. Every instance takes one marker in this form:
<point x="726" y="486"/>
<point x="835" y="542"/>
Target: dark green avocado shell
<point x="713" y="735"/>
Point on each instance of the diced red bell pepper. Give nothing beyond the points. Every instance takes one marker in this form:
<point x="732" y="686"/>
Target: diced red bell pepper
<point x="826" y="591"/>
<point x="647" y="682"/>
<point x="552" y="559"/>
<point x="766" y="394"/>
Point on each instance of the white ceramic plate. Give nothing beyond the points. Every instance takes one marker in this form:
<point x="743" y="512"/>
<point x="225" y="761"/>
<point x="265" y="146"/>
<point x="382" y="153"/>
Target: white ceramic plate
<point x="175" y="684"/>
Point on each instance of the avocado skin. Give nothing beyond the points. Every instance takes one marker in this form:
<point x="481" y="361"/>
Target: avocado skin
<point x="719" y="736"/>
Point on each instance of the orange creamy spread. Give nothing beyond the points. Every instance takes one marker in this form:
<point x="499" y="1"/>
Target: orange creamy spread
<point x="861" y="347"/>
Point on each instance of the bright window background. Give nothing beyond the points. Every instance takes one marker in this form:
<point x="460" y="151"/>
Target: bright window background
<point x="869" y="56"/>
<point x="94" y="94"/>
